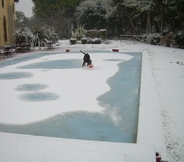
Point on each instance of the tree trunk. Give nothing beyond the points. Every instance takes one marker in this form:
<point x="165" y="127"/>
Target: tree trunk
<point x="131" y="21"/>
<point x="162" y="21"/>
<point x="148" y="25"/>
<point x="132" y="25"/>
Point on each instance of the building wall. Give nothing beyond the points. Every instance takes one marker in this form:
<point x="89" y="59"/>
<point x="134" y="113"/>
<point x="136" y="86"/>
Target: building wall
<point x="7" y="21"/>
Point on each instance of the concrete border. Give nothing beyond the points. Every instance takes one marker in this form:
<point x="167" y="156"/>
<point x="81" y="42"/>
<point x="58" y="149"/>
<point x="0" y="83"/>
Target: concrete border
<point x="149" y="128"/>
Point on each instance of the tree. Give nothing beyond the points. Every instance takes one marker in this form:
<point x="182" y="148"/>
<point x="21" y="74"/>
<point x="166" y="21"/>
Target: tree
<point x="132" y="16"/>
<point x="161" y="15"/>
<point x="21" y="19"/>
<point x="92" y="13"/>
<point x="56" y="13"/>
<point x="137" y="9"/>
<point x="134" y="13"/>
<point x="174" y="14"/>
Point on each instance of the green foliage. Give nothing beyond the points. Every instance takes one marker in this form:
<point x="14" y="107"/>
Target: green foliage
<point x="138" y="5"/>
<point x="46" y="8"/>
<point x="58" y="14"/>
<point x="179" y="41"/>
<point x="155" y="15"/>
<point x="21" y="19"/>
<point x="45" y="32"/>
<point x="40" y="31"/>
<point x="119" y="17"/>
<point x="92" y="13"/>
<point x="32" y="36"/>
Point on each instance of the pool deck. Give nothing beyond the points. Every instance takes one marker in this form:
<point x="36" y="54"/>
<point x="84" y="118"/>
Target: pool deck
<point x="27" y="148"/>
<point x="15" y="147"/>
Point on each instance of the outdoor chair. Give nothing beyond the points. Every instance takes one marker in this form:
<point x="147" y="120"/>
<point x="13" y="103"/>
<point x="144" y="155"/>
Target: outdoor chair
<point x="49" y="44"/>
<point x="57" y="44"/>
<point x="7" y="50"/>
<point x="2" y="50"/>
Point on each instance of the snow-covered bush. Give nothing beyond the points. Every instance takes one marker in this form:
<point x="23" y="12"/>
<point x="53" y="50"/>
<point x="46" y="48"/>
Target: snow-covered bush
<point x="73" y="40"/>
<point x="94" y="41"/>
<point x="79" y="33"/>
<point x="51" y="35"/>
<point x="45" y="32"/>
<point x="84" y="40"/>
<point x="97" y="40"/>
<point x="39" y="31"/>
<point x="23" y="35"/>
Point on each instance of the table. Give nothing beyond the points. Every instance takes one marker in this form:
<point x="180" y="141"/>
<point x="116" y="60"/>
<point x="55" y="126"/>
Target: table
<point x="8" y="51"/>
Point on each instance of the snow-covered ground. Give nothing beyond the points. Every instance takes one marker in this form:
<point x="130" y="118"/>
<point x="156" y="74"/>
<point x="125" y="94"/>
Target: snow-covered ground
<point x="160" y="117"/>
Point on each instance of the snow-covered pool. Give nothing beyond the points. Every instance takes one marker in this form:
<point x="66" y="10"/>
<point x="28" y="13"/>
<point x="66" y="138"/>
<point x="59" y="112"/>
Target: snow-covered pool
<point x="49" y="94"/>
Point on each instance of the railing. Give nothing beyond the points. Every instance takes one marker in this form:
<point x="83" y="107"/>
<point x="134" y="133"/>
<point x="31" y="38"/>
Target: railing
<point x="167" y="40"/>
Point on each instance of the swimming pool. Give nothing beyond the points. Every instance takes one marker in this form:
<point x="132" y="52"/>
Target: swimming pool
<point x="118" y="120"/>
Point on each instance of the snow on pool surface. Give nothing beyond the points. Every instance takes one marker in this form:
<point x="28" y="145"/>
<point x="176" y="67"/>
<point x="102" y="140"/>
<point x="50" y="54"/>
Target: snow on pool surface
<point x="51" y="95"/>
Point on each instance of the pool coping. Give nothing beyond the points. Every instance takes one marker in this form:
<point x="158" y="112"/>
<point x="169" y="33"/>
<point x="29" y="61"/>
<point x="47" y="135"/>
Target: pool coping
<point x="149" y="129"/>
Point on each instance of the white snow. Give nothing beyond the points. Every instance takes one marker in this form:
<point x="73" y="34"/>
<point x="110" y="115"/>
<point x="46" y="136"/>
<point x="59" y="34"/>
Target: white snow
<point x="160" y="126"/>
<point x="34" y="148"/>
<point x="62" y="83"/>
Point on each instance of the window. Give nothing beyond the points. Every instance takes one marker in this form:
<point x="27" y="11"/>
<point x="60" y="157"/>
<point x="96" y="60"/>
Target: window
<point x="2" y="3"/>
<point x="13" y="7"/>
<point x="4" y="30"/>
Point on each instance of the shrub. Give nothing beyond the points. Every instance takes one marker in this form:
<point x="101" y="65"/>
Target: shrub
<point x="103" y="34"/>
<point x="79" y="33"/>
<point x="35" y="35"/>
<point x="73" y="40"/>
<point x="45" y="33"/>
<point x="93" y="33"/>
<point x="84" y="40"/>
<point x="94" y="41"/>
<point x="97" y="40"/>
<point x="23" y="35"/>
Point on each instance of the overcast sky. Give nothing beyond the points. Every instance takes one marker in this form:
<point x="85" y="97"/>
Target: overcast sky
<point x="25" y="6"/>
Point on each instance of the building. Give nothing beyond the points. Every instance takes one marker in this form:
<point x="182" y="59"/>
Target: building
<point x="7" y="21"/>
